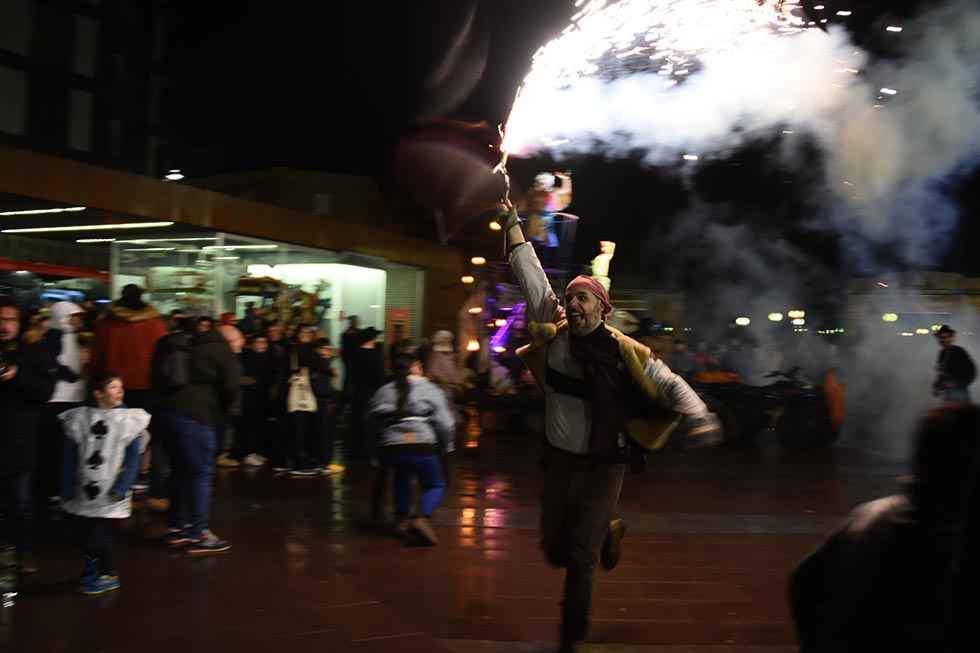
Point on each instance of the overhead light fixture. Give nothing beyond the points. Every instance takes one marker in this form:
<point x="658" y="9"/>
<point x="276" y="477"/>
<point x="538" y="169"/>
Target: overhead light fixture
<point x="89" y="227"/>
<point x="95" y="240"/>
<point x="845" y="13"/>
<point x="143" y="241"/>
<point x="67" y="209"/>
<point x="495" y="226"/>
<point x="473" y="345"/>
<point x="188" y="251"/>
<point x="893" y="28"/>
<point x="151" y="249"/>
<point x="174" y="175"/>
<point x="691" y="157"/>
<point x="890" y="317"/>
<point x="466" y="279"/>
<point x="775" y="317"/>
<point x="888" y="91"/>
<point x="743" y="321"/>
<point x="922" y="332"/>
<point x="500" y="349"/>
<point x="227" y="258"/>
<point x="799" y="321"/>
<point x="478" y="260"/>
<point x="499" y="322"/>
<point x="476" y="310"/>
<point x="796" y="314"/>
<point x="234" y="247"/>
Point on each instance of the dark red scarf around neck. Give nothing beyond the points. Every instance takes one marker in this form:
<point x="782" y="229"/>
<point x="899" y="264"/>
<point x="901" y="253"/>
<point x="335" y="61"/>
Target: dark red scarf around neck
<point x="598" y="354"/>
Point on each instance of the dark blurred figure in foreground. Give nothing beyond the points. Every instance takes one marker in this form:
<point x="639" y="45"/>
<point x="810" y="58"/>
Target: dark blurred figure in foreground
<point x="25" y="386"/>
<point x="891" y="579"/>
<point x="955" y="370"/>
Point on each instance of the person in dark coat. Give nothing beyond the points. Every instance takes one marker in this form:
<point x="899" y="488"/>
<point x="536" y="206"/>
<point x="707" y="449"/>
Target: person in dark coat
<point x="190" y="414"/>
<point x="955" y="370"/>
<point x="887" y="579"/>
<point x="322" y="380"/>
<point x="350" y="340"/>
<point x="368" y="374"/>
<point x="258" y="376"/>
<point x="25" y="386"/>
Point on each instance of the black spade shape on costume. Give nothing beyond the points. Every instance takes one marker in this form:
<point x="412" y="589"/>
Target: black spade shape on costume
<point x="99" y="429"/>
<point x="95" y="460"/>
<point x="92" y="489"/>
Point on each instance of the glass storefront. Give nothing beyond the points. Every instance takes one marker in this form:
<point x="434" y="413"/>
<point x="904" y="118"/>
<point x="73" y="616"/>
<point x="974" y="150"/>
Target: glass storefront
<point x="209" y="273"/>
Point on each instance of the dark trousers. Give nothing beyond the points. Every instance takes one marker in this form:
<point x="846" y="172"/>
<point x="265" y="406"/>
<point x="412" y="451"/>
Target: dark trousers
<point x="95" y="539"/>
<point x="326" y="422"/>
<point x="577" y="502"/>
<point x="363" y="440"/>
<point x="17" y="512"/>
<point x="427" y="468"/>
<point x="160" y="465"/>
<point x="51" y="450"/>
<point x="303" y="432"/>
<point x="251" y="428"/>
<point x="193" y="446"/>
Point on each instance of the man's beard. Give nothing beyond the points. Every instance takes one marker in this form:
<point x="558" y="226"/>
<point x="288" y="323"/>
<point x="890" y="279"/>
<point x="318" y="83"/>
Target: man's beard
<point x="581" y="324"/>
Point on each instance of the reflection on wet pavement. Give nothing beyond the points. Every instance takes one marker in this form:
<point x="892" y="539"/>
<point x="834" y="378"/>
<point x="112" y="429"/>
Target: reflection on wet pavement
<point x="713" y="535"/>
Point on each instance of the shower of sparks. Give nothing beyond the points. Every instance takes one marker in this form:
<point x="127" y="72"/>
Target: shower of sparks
<point x="613" y="39"/>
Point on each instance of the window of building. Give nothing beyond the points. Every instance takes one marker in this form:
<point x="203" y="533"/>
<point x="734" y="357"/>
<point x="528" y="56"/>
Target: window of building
<point x="321" y="204"/>
<point x="115" y="138"/>
<point x="86" y="37"/>
<point x="80" y="121"/>
<point x="13" y="101"/>
<point x="16" y="22"/>
<point x="156" y="97"/>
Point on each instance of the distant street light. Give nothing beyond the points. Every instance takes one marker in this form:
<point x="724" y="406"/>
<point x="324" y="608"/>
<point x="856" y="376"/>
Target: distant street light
<point x="775" y="317"/>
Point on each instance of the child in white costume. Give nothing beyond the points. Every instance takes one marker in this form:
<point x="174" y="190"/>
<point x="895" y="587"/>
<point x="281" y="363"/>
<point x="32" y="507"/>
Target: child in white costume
<point x="102" y="456"/>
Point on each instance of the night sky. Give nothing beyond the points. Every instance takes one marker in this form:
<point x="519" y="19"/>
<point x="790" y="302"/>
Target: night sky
<point x="333" y="86"/>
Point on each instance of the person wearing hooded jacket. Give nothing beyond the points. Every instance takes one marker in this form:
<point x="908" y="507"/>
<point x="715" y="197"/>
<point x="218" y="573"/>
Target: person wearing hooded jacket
<point x="189" y="416"/>
<point x="65" y="357"/>
<point x="415" y="426"/>
<point x="124" y="343"/>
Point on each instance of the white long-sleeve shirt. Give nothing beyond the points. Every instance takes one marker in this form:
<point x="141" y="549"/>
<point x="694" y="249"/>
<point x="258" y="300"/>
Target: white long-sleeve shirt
<point x="568" y="419"/>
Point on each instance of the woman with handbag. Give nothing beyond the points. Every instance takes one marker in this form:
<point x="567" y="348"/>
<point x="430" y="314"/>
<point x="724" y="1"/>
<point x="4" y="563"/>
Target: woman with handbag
<point x="301" y="409"/>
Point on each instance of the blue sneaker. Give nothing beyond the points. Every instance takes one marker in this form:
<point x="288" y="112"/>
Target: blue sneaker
<point x="99" y="585"/>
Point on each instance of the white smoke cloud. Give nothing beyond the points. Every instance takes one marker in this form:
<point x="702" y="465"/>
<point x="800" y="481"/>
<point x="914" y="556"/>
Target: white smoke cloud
<point x="884" y="153"/>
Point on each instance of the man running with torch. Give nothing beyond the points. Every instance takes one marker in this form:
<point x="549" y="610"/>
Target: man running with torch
<point x="605" y="395"/>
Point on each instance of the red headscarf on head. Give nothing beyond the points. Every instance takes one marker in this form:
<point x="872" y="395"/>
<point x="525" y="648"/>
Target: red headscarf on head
<point x="588" y="283"/>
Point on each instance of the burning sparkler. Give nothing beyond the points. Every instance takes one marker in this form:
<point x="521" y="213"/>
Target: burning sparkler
<point x="614" y="39"/>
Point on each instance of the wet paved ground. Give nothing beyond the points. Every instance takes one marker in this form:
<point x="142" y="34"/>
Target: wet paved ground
<point x="713" y="535"/>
